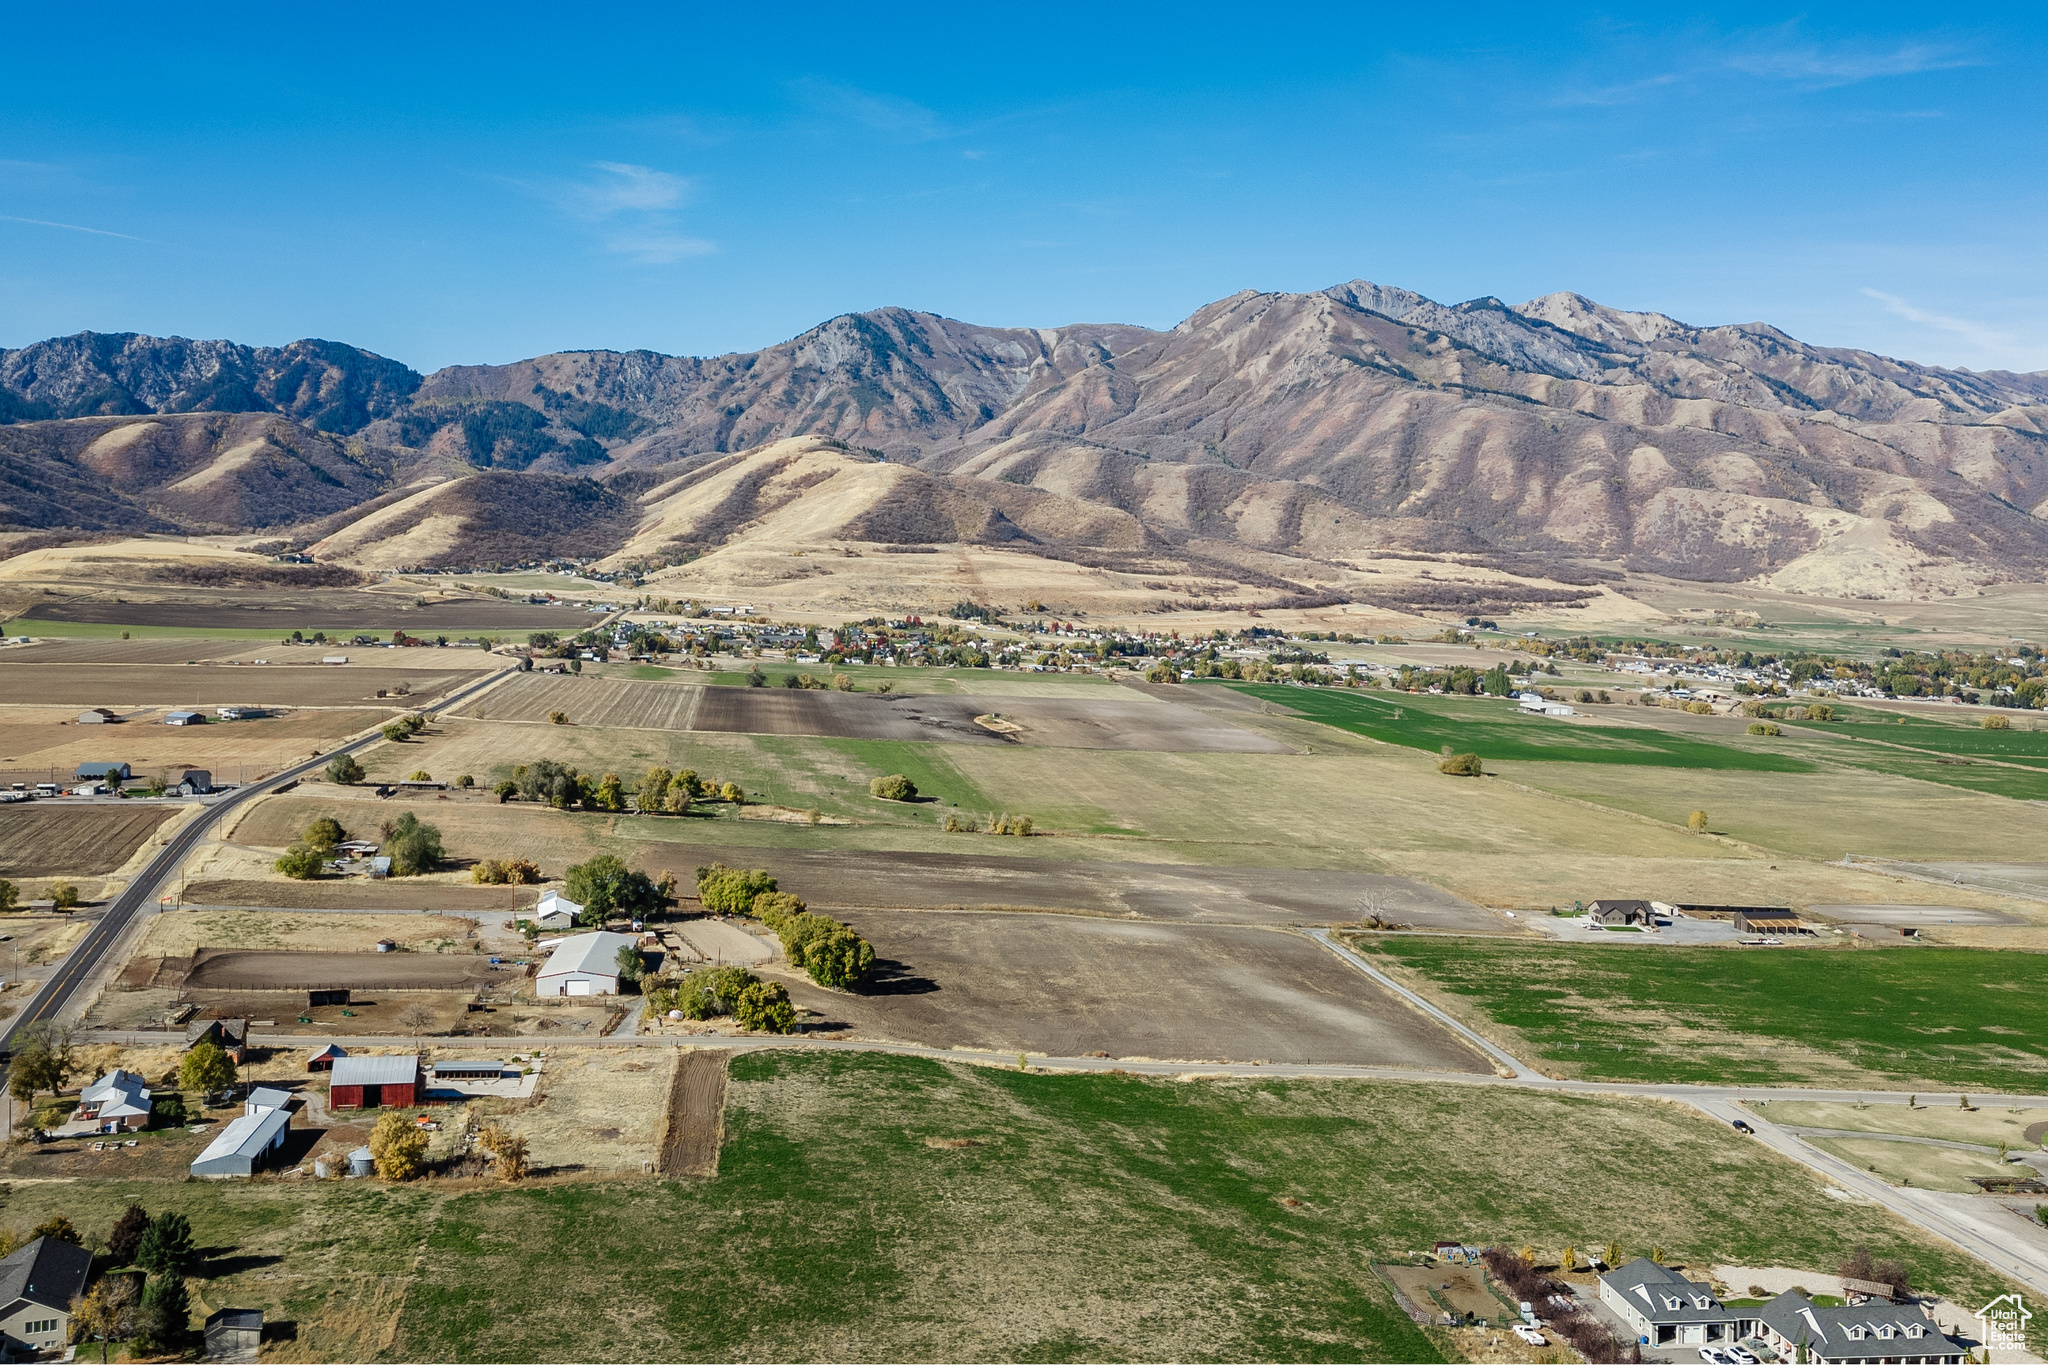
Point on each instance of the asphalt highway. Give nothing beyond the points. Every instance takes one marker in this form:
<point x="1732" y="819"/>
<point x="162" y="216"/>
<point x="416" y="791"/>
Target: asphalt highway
<point x="57" y="992"/>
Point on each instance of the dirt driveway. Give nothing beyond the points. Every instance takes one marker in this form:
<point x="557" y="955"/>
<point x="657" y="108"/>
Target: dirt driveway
<point x="1067" y="986"/>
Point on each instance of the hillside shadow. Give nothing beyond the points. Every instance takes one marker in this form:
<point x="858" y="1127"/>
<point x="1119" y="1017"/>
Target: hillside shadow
<point x="890" y="977"/>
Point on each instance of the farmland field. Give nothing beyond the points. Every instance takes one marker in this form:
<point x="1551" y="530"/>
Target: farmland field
<point x="1063" y="985"/>
<point x="1116" y="720"/>
<point x="118" y="651"/>
<point x="1497" y="732"/>
<point x="42" y="840"/>
<point x="281" y="613"/>
<point x="208" y="685"/>
<point x="1903" y="1018"/>
<point x="233" y="751"/>
<point x="1095" y="1217"/>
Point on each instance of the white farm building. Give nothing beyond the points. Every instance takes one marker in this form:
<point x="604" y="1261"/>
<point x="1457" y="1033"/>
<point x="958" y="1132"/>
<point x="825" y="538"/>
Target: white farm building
<point x="585" y="964"/>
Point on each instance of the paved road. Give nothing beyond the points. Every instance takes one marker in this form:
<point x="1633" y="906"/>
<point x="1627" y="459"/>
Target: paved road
<point x="142" y="892"/>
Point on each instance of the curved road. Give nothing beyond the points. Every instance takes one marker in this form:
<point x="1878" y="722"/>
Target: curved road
<point x="56" y="992"/>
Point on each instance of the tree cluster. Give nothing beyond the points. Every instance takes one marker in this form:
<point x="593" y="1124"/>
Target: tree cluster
<point x="404" y="728"/>
<point x="413" y="846"/>
<point x="833" y="954"/>
<point x="561" y="786"/>
<point x="506" y="872"/>
<point x="605" y="887"/>
<point x="1517" y="1273"/>
<point x="756" y="1005"/>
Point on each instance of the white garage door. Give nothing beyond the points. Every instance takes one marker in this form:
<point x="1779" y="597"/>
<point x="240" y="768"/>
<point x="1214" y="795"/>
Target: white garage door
<point x="579" y="988"/>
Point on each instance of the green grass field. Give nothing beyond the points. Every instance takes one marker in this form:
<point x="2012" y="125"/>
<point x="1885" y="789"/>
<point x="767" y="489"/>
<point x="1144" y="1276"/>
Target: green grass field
<point x="1903" y="1017"/>
<point x="1498" y="733"/>
<point x="1098" y="1218"/>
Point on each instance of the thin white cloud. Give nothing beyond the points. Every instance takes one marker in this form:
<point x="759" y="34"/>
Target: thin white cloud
<point x="883" y="113"/>
<point x="71" y="227"/>
<point x="631" y="187"/>
<point x="659" y="248"/>
<point x="1776" y="55"/>
<point x="1976" y="333"/>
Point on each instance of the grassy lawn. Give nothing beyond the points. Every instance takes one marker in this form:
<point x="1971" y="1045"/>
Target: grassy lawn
<point x="1098" y="1218"/>
<point x="1497" y="732"/>
<point x="1902" y="1017"/>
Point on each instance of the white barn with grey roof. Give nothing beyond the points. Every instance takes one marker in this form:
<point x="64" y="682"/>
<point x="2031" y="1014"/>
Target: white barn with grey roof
<point x="585" y="964"/>
<point x="249" y="1142"/>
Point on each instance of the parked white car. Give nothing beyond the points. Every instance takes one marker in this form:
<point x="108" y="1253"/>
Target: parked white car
<point x="1529" y="1334"/>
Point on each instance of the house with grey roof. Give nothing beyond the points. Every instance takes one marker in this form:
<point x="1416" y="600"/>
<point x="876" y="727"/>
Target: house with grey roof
<point x="116" y="1101"/>
<point x="1666" y="1309"/>
<point x="1620" y="913"/>
<point x="37" y="1284"/>
<point x="1860" y="1334"/>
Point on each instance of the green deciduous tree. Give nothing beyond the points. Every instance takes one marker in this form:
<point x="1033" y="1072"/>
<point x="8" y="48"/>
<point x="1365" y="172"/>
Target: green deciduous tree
<point x="611" y="793"/>
<point x="731" y="891"/>
<point x="9" y="894"/>
<point x="630" y="965"/>
<point x="206" y="1068"/>
<point x="301" y="862"/>
<point x="649" y="796"/>
<point x="605" y="886"/>
<point x="42" y="1061"/>
<point x="345" y="770"/>
<point x="894" y="787"/>
<point x="764" y="1008"/>
<point x="413" y="846"/>
<point x="64" y="896"/>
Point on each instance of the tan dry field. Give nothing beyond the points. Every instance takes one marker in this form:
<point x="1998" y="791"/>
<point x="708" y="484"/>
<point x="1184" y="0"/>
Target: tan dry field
<point x="1937" y="1117"/>
<point x="46" y="840"/>
<point x="182" y="933"/>
<point x="1916" y="1164"/>
<point x="361" y="894"/>
<point x="187" y="650"/>
<point x="1061" y="985"/>
<point x="211" y="684"/>
<point x="234" y="969"/>
<point x="596" y="1111"/>
<point x="35" y="739"/>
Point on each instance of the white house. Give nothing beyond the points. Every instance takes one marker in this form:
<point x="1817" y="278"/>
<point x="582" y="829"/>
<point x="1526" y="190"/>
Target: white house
<point x="1536" y="704"/>
<point x="585" y="964"/>
<point x="118" y="1101"/>
<point x="556" y="911"/>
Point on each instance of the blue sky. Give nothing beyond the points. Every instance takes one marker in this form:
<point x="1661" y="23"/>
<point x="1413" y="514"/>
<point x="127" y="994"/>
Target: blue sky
<point x="448" y="186"/>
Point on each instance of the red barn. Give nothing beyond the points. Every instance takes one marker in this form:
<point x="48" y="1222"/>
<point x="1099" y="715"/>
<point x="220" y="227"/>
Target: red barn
<point x="375" y="1082"/>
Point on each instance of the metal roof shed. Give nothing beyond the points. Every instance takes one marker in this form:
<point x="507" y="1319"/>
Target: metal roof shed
<point x="468" y="1069"/>
<point x="244" y="1144"/>
<point x="585" y="964"/>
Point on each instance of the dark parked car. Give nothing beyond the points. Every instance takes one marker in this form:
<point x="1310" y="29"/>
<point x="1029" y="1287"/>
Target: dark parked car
<point x="1741" y="1126"/>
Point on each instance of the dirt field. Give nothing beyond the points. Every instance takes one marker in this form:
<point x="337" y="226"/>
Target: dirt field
<point x="181" y="933"/>
<point x="1168" y="891"/>
<point x="1100" y="719"/>
<point x="48" y="840"/>
<point x="31" y="744"/>
<point x="1460" y="1286"/>
<point x="1066" y="986"/>
<point x="156" y="650"/>
<point x="343" y="612"/>
<point x="209" y="685"/>
<point x="216" y="969"/>
<point x="399" y="893"/>
<point x="695" y="1121"/>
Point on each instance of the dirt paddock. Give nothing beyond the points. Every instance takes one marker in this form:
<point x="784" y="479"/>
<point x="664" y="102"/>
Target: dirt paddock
<point x="1103" y="719"/>
<point x="1167" y="891"/>
<point x="690" y="1132"/>
<point x="1067" y="986"/>
<point x="238" y="969"/>
<point x="396" y="893"/>
<point x="39" y="840"/>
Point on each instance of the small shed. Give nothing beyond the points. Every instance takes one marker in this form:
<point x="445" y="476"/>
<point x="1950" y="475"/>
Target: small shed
<point x="104" y="772"/>
<point x="334" y="995"/>
<point x="98" y="715"/>
<point x="468" y="1069"/>
<point x="234" y="1334"/>
<point x="380" y="868"/>
<point x="183" y="718"/>
<point x="265" y="1098"/>
<point x="251" y="1141"/>
<point x="1767" y="920"/>
<point x="374" y="1082"/>
<point x="325" y="1058"/>
<point x="556" y="911"/>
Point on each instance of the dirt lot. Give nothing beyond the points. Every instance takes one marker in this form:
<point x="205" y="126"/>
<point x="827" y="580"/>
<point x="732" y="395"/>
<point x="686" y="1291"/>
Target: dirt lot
<point x="1100" y="719"/>
<point x="1169" y="891"/>
<point x="1066" y="986"/>
<point x="400" y="893"/>
<point x="209" y="685"/>
<point x="1460" y="1286"/>
<point x="690" y="1131"/>
<point x="181" y="933"/>
<point x="157" y="650"/>
<point x="47" y="840"/>
<point x="216" y="969"/>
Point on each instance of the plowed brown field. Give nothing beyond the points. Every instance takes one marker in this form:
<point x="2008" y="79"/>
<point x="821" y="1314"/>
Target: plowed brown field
<point x="42" y="840"/>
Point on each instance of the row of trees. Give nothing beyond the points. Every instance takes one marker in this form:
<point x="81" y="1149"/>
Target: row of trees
<point x="659" y="791"/>
<point x="833" y="954"/>
<point x="63" y="895"/>
<point x="607" y="888"/>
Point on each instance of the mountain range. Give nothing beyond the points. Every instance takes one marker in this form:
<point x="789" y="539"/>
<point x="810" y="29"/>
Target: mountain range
<point x="1551" y="438"/>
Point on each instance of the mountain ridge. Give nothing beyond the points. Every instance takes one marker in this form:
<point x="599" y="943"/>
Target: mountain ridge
<point x="1325" y="425"/>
